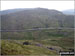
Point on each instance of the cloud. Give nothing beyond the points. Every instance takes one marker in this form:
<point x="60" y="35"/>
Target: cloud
<point x="58" y="5"/>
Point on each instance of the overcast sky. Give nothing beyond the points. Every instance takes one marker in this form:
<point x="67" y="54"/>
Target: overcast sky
<point x="58" y="5"/>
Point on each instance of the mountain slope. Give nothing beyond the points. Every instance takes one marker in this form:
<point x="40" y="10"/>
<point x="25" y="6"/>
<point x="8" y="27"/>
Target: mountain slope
<point x="11" y="11"/>
<point x="69" y="12"/>
<point x="37" y="17"/>
<point x="13" y="48"/>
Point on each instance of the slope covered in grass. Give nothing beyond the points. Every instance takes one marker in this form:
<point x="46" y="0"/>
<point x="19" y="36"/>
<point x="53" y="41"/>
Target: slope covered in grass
<point x="37" y="17"/>
<point x="13" y="48"/>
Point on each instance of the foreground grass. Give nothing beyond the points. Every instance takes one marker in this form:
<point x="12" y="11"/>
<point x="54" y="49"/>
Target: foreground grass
<point x="12" y="48"/>
<point x="64" y="43"/>
<point x="57" y="39"/>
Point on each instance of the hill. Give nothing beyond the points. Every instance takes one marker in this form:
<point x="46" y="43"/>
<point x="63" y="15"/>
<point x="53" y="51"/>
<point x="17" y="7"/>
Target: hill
<point x="13" y="48"/>
<point x="36" y="17"/>
<point x="69" y="12"/>
<point x="51" y="29"/>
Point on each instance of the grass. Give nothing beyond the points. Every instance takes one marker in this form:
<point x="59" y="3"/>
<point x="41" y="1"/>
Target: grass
<point x="64" y="43"/>
<point x="13" y="48"/>
<point x="12" y="42"/>
<point x="38" y="34"/>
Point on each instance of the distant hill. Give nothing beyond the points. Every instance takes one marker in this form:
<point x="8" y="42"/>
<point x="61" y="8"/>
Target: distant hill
<point x="10" y="11"/>
<point x="69" y="12"/>
<point x="21" y="19"/>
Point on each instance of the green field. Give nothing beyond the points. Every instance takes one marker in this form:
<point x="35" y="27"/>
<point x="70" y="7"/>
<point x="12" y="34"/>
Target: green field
<point x="12" y="42"/>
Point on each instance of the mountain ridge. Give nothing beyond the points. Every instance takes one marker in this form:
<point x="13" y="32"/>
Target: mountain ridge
<point x="69" y="12"/>
<point x="37" y="17"/>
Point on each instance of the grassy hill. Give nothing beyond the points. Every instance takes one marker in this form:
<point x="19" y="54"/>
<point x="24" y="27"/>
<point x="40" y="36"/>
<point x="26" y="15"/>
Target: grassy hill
<point x="39" y="34"/>
<point x="13" y="48"/>
<point x="37" y="17"/>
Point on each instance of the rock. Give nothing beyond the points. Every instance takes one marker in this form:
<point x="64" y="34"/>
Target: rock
<point x="39" y="45"/>
<point x="50" y="48"/>
<point x="26" y="43"/>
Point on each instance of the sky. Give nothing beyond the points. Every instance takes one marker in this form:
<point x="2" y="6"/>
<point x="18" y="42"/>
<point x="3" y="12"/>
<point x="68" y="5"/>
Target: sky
<point x="57" y="5"/>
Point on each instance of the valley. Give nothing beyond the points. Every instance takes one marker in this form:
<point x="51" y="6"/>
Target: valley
<point x="37" y="31"/>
